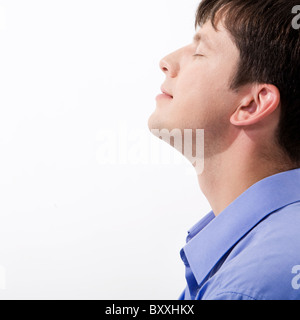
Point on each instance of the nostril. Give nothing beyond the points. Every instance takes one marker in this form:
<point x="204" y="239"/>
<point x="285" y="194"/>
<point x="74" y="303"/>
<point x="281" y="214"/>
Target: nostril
<point x="163" y="66"/>
<point x="169" y="68"/>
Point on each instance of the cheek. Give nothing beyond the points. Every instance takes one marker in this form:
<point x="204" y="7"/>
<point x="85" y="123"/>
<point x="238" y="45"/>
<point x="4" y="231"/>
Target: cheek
<point x="195" y="96"/>
<point x="199" y="84"/>
<point x="202" y="104"/>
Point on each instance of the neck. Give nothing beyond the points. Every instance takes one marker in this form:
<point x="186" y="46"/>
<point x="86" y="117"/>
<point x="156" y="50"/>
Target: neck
<point x="225" y="177"/>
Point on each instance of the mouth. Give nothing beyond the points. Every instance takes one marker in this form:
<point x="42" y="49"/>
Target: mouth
<point x="165" y="94"/>
<point x="164" y="91"/>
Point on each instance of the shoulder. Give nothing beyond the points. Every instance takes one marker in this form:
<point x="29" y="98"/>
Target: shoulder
<point x="264" y="264"/>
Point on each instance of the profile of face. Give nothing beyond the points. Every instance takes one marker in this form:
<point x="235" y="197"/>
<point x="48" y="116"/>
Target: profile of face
<point x="197" y="92"/>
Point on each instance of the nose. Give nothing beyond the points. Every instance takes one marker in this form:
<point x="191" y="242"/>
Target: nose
<point x="169" y="65"/>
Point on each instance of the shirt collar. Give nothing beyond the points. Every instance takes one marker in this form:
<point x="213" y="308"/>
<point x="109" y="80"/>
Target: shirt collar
<point x="212" y="237"/>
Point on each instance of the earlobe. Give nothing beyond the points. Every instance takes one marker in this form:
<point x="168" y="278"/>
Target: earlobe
<point x="263" y="101"/>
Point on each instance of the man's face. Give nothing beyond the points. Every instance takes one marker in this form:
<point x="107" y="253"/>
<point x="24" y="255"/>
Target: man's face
<point x="198" y="77"/>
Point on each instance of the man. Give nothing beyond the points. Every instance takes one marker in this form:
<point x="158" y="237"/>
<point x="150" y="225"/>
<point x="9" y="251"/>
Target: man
<point x="239" y="81"/>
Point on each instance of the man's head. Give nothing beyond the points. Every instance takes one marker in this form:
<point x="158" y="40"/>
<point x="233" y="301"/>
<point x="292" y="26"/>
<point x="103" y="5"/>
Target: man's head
<point x="239" y="78"/>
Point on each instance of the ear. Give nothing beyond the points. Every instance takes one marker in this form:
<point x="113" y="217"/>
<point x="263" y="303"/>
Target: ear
<point x="257" y="105"/>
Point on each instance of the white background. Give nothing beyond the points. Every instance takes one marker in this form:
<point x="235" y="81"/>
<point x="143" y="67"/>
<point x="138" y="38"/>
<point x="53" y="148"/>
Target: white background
<point x="71" y="226"/>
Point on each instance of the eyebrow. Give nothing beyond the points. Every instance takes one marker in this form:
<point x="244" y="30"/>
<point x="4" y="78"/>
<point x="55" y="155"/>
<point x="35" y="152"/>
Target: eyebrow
<point x="198" y="37"/>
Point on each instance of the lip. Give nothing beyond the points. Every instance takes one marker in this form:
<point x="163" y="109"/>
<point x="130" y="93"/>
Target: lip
<point x="165" y="94"/>
<point x="163" y="90"/>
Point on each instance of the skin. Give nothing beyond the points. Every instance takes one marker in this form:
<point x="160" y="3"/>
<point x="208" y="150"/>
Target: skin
<point x="239" y="125"/>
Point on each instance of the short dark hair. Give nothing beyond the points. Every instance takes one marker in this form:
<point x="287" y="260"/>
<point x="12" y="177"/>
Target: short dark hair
<point x="269" y="53"/>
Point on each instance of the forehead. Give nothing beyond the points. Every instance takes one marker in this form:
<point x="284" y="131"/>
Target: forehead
<point x="214" y="38"/>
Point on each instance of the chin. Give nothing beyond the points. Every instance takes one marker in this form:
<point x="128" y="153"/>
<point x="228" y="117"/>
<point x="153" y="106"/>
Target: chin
<point x="154" y="122"/>
<point x="150" y="122"/>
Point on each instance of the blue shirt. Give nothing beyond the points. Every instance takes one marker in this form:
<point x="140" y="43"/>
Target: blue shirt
<point x="251" y="250"/>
